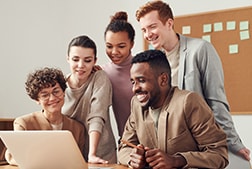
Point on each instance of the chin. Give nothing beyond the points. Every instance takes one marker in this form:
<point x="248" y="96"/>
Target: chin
<point x="144" y="106"/>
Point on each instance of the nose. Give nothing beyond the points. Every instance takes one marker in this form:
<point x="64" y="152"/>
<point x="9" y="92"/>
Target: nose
<point x="136" y="87"/>
<point x="114" y="51"/>
<point x="147" y="34"/>
<point x="81" y="63"/>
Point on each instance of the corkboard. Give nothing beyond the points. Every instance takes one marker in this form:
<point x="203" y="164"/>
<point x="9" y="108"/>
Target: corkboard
<point x="237" y="66"/>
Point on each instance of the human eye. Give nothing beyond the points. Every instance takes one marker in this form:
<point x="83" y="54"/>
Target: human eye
<point x="109" y="46"/>
<point x="141" y="80"/>
<point x="75" y="59"/>
<point x="44" y="96"/>
<point x="153" y="26"/>
<point x="132" y="82"/>
<point x="57" y="92"/>
<point x="88" y="60"/>
<point x="121" y="46"/>
<point x="143" y="30"/>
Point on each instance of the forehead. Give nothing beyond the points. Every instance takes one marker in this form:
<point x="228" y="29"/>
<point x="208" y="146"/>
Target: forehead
<point x="140" y="69"/>
<point x="117" y="36"/>
<point x="149" y="18"/>
<point x="81" y="51"/>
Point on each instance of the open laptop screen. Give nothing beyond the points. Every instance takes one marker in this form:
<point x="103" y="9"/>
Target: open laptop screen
<point x="44" y="149"/>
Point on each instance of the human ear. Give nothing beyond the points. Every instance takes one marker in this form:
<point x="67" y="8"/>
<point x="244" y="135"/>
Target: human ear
<point x="170" y="23"/>
<point x="164" y="79"/>
<point x="38" y="102"/>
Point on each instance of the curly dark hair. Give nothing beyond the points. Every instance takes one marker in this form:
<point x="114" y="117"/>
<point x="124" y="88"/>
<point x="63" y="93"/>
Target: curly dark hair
<point x="44" y="78"/>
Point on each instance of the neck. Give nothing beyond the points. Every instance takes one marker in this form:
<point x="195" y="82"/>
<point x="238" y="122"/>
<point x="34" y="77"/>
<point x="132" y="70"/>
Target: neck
<point x="172" y="43"/>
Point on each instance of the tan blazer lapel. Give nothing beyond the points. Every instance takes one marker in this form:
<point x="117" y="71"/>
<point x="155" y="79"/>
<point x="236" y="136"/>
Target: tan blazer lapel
<point x="162" y="130"/>
<point x="163" y="122"/>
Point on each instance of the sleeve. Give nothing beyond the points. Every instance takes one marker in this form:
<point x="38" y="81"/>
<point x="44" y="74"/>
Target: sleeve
<point x="100" y="101"/>
<point x="214" y="93"/>
<point x="210" y="138"/>
<point x="19" y="124"/>
<point x="130" y="135"/>
<point x="79" y="135"/>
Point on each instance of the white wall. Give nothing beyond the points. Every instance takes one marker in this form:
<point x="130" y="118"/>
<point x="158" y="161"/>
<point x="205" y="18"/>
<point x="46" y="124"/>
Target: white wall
<point x="35" y="33"/>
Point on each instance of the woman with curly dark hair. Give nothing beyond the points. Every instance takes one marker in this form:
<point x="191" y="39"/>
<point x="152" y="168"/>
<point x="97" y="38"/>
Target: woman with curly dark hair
<point x="47" y="87"/>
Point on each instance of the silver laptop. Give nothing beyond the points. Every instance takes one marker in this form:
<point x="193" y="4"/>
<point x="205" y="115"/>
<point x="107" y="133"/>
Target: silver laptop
<point x="44" y="149"/>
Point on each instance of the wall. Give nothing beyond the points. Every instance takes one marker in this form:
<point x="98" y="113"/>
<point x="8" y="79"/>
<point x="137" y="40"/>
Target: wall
<point x="34" y="34"/>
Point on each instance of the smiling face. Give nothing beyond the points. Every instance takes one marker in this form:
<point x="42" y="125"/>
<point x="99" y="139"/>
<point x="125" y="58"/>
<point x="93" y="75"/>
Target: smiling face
<point x="154" y="30"/>
<point x="51" y="99"/>
<point x="146" y="85"/>
<point x="81" y="61"/>
<point x="118" y="46"/>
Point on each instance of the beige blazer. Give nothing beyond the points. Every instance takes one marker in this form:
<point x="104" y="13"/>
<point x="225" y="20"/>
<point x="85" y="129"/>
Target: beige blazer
<point x="186" y="126"/>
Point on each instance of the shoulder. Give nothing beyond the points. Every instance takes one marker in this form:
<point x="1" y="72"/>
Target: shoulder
<point x="191" y="42"/>
<point x="100" y="73"/>
<point x="28" y="117"/>
<point x="106" y="66"/>
<point x="184" y="98"/>
<point x="100" y="77"/>
<point x="178" y="93"/>
<point x="190" y="100"/>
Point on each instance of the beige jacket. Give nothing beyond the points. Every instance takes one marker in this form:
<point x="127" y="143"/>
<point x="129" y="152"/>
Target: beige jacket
<point x="186" y="126"/>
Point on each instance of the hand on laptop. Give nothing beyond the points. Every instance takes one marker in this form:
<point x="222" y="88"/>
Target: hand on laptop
<point x="95" y="159"/>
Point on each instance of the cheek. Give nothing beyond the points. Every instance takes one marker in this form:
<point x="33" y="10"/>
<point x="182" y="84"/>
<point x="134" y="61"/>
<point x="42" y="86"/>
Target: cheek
<point x="125" y="51"/>
<point x="108" y="52"/>
<point x="90" y="66"/>
<point x="72" y="64"/>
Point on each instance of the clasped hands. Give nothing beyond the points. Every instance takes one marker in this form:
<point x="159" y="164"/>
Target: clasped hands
<point x="144" y="157"/>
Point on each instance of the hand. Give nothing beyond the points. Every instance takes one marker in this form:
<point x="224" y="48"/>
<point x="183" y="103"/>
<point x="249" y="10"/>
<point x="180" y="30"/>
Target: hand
<point x="96" y="160"/>
<point x="96" y="67"/>
<point x="245" y="153"/>
<point x="137" y="159"/>
<point x="159" y="159"/>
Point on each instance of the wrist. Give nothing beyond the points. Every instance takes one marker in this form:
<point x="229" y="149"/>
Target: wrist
<point x="179" y="161"/>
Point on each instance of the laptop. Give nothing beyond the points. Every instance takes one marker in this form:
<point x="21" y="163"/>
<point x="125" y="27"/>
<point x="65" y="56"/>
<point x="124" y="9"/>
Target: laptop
<point x="44" y="149"/>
